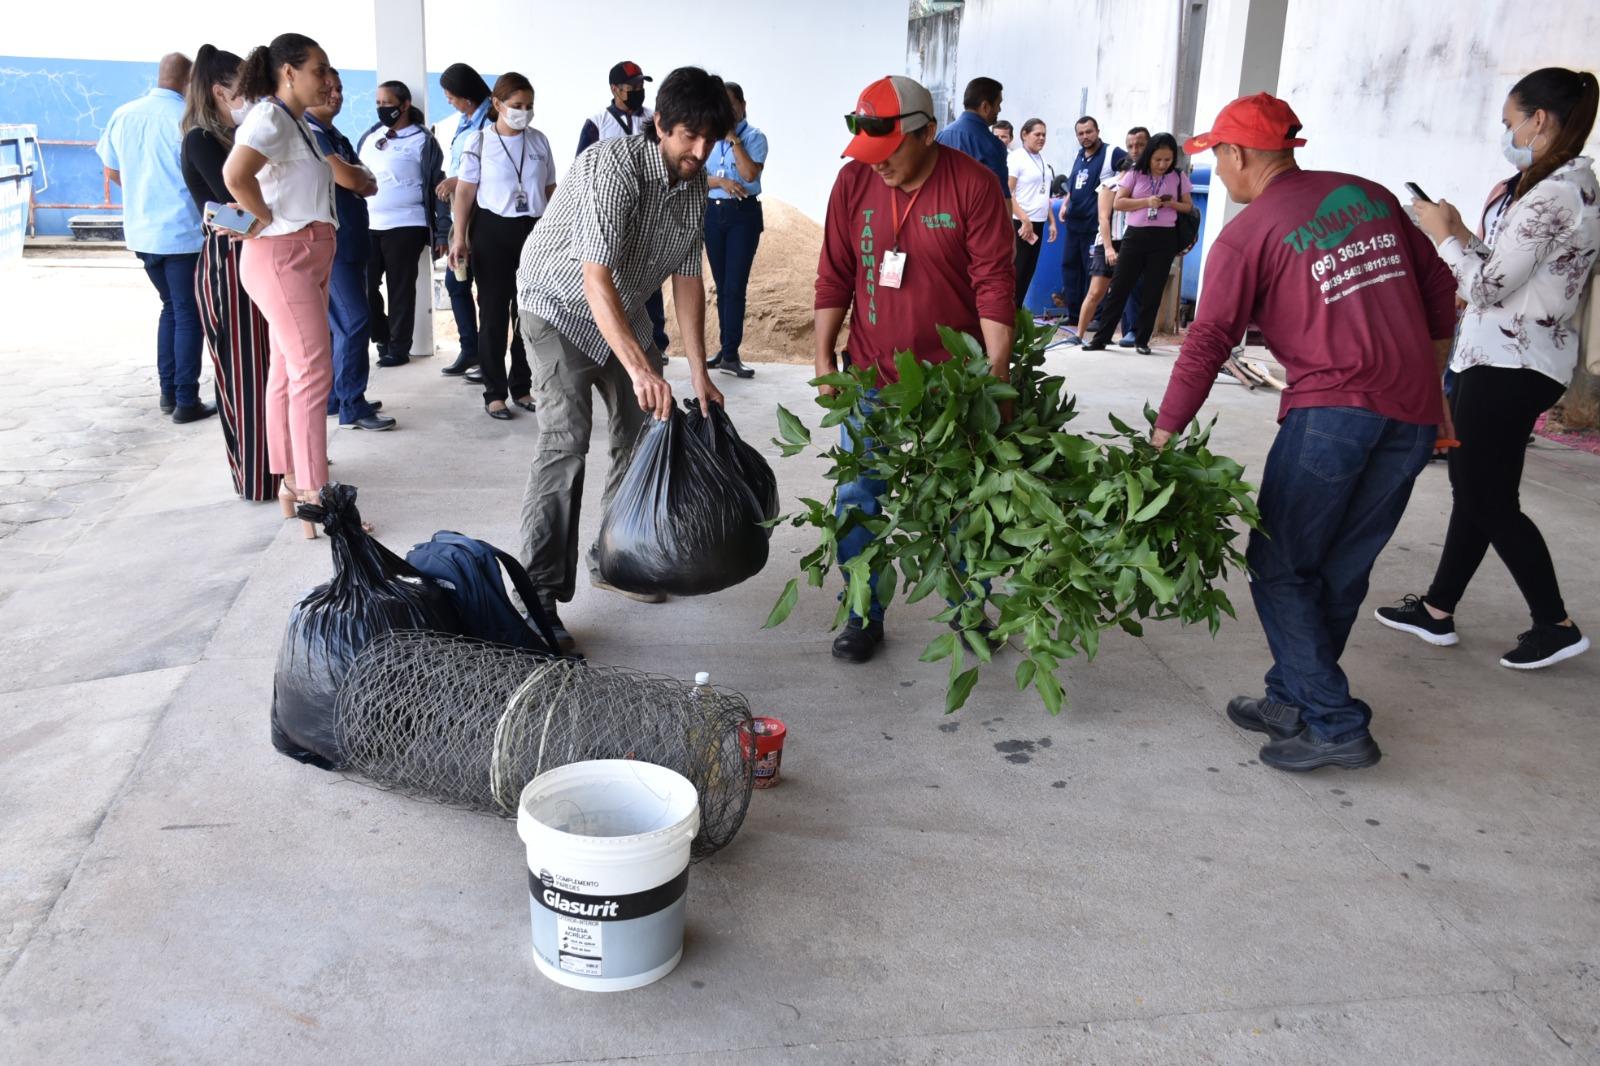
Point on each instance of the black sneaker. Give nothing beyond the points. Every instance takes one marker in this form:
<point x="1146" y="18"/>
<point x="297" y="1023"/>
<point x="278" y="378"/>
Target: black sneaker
<point x="736" y="368"/>
<point x="1094" y="346"/>
<point x="168" y="403"/>
<point x="1277" y="720"/>
<point x="192" y="412"/>
<point x="857" y="642"/>
<point x="393" y="360"/>
<point x="459" y="367"/>
<point x="1307" y="751"/>
<point x="714" y="362"/>
<point x="1412" y="617"/>
<point x="1544" y="646"/>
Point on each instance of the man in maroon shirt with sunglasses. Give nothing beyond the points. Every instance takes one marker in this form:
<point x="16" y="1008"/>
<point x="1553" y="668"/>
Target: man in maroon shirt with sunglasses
<point x="1359" y="309"/>
<point x="916" y="237"/>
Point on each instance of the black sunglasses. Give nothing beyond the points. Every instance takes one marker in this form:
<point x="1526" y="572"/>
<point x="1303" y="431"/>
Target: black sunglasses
<point x="878" y="125"/>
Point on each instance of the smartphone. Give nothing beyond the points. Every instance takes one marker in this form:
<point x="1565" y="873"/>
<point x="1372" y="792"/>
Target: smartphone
<point x="1416" y="191"/>
<point x="225" y="216"/>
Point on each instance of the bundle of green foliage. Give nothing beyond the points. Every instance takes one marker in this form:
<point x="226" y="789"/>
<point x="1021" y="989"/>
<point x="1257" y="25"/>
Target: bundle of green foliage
<point x="1063" y="534"/>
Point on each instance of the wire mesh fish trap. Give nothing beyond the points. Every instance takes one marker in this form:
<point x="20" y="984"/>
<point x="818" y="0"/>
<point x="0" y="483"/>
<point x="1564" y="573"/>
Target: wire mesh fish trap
<point x="467" y="723"/>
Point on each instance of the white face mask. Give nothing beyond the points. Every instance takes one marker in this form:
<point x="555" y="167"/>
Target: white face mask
<point x="516" y="117"/>
<point x="239" y="113"/>
<point x="1519" y="156"/>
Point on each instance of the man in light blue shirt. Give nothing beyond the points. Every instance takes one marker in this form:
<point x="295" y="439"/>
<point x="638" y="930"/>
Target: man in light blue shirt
<point x="142" y="150"/>
<point x="733" y="227"/>
<point x="971" y="135"/>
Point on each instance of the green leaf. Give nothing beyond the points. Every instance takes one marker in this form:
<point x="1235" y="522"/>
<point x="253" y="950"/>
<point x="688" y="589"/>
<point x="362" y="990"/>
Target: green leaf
<point x="792" y="429"/>
<point x="956" y="695"/>
<point x="785" y="604"/>
<point x="1153" y="508"/>
<point x="1049" y="690"/>
<point x="1025" y="670"/>
<point x="1164" y="587"/>
<point x="939" y="647"/>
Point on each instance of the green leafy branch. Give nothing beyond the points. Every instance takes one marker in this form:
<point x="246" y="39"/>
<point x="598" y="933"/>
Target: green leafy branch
<point x="1062" y="534"/>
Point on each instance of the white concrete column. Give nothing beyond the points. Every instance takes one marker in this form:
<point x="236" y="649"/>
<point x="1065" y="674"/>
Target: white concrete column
<point x="402" y="56"/>
<point x="1243" y="54"/>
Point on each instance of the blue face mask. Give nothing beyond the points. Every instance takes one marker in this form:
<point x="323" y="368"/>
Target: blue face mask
<point x="1519" y="156"/>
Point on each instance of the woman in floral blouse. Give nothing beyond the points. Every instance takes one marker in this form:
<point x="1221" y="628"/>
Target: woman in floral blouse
<point x="1514" y="357"/>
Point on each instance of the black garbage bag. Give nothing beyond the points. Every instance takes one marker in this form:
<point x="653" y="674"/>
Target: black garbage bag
<point x="683" y="522"/>
<point x="372" y="592"/>
<point x="715" y="429"/>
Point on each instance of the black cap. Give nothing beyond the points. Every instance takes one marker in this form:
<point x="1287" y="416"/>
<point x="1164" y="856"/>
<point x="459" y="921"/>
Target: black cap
<point x="627" y="71"/>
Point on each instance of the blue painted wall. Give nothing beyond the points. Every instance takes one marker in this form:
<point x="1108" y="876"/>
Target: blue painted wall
<point x="72" y="99"/>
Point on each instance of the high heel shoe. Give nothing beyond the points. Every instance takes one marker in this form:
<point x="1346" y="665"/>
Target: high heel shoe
<point x="289" y="498"/>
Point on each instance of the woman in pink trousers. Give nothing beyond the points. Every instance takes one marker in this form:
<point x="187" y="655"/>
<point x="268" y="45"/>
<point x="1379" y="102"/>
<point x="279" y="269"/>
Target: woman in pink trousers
<point x="277" y="173"/>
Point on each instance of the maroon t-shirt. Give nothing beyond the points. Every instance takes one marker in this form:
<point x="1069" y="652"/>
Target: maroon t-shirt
<point x="1348" y="293"/>
<point x="958" y="243"/>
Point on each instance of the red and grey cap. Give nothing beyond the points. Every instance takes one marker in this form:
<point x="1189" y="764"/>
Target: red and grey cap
<point x="895" y="97"/>
<point x="628" y="72"/>
<point x="1260" y="121"/>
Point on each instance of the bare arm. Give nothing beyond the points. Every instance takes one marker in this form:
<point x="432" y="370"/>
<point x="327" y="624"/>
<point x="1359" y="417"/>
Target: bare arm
<point x="651" y="389"/>
<point x="689" y="300"/>
<point x="461" y="205"/>
<point x="353" y="176"/>
<point x="827" y="323"/>
<point x="748" y="168"/>
<point x="114" y="175"/>
<point x="239" y="173"/>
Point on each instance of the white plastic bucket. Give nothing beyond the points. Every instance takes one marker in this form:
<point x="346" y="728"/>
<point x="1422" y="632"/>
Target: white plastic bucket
<point x="608" y="868"/>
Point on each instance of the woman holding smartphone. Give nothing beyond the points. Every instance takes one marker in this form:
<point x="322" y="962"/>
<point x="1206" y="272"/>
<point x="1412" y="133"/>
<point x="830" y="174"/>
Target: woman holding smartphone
<point x="278" y="174"/>
<point x="1515" y="352"/>
<point x="1153" y="193"/>
<point x="507" y="177"/>
<point x="235" y="331"/>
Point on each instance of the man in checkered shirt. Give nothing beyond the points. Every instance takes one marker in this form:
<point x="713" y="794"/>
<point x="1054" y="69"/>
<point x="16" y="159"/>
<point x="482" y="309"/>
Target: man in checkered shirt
<point x="629" y="215"/>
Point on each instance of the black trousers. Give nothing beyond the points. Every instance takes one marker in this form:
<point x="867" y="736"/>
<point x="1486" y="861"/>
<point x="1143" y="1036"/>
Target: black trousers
<point x="396" y="253"/>
<point x="1028" y="255"/>
<point x="496" y="245"/>
<point x="1495" y="410"/>
<point x="1147" y="252"/>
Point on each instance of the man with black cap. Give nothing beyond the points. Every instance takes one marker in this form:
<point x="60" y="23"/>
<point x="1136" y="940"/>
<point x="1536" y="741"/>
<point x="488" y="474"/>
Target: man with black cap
<point x="1360" y="310"/>
<point x="916" y="237"/>
<point x="623" y="117"/>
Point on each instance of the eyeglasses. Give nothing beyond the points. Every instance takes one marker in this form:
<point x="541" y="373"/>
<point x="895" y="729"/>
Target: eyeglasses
<point x="878" y="125"/>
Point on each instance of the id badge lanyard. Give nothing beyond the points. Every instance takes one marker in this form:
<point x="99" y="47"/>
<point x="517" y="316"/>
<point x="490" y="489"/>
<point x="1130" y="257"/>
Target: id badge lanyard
<point x="521" y="201"/>
<point x="894" y="260"/>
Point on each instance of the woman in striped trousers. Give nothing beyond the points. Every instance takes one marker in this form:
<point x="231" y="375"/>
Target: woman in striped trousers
<point x="235" y="330"/>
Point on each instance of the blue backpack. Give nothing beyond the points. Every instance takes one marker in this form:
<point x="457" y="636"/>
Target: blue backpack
<point x="469" y="570"/>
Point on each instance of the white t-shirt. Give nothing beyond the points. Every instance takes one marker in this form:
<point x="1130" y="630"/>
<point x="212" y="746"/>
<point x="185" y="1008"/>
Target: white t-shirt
<point x="1033" y="176"/>
<point x="398" y="168"/>
<point x="490" y="160"/>
<point x="297" y="181"/>
<point x="1119" y="219"/>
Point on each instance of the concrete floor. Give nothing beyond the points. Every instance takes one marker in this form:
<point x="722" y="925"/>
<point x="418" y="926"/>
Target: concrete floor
<point x="1122" y="884"/>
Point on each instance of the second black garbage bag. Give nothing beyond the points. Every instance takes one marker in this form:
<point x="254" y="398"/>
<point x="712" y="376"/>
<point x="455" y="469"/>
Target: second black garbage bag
<point x="687" y="519"/>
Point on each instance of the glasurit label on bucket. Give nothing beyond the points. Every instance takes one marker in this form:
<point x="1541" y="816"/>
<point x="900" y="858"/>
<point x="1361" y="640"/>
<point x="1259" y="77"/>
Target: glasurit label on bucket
<point x="616" y="935"/>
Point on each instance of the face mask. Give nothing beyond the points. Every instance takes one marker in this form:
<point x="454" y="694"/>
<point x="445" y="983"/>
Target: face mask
<point x="388" y="116"/>
<point x="1519" y="157"/>
<point x="635" y="100"/>
<point x="517" y="118"/>
<point x="239" y="113"/>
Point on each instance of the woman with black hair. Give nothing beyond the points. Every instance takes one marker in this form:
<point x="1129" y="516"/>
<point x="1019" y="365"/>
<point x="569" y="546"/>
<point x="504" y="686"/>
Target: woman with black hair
<point x="235" y="331"/>
<point x="1153" y="193"/>
<point x="466" y="92"/>
<point x="1514" y="356"/>
<point x="407" y="216"/>
<point x="278" y="174"/>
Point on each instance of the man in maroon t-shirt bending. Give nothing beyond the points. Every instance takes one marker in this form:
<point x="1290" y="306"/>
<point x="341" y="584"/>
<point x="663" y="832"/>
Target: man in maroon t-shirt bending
<point x="1359" y="309"/>
<point x="916" y="237"/>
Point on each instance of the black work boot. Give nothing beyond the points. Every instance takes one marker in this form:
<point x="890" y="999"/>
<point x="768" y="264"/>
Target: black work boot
<point x="1277" y="720"/>
<point x="1307" y="751"/>
<point x="858" y="641"/>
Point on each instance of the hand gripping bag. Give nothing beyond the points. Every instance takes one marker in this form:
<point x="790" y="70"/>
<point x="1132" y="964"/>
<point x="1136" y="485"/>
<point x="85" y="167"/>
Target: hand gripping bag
<point x="683" y="522"/>
<point x="373" y="591"/>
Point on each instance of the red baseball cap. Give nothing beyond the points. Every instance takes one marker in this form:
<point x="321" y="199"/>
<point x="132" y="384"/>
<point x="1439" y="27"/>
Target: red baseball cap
<point x="892" y="107"/>
<point x="1259" y="121"/>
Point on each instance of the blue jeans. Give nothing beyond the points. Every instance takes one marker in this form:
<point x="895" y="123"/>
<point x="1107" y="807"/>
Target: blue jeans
<point x="348" y="316"/>
<point x="733" y="231"/>
<point x="1075" y="269"/>
<point x="1335" y="486"/>
<point x="464" y="311"/>
<point x="178" y="336"/>
<point x="862" y="493"/>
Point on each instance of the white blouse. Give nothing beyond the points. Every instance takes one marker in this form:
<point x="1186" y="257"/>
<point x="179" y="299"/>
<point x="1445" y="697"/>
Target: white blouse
<point x="397" y="166"/>
<point x="490" y="160"/>
<point x="1522" y="294"/>
<point x="1033" y="176"/>
<point x="297" y="182"/>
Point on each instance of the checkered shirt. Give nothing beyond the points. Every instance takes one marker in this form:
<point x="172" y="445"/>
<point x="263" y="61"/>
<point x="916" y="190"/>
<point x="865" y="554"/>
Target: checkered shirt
<point x="616" y="208"/>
